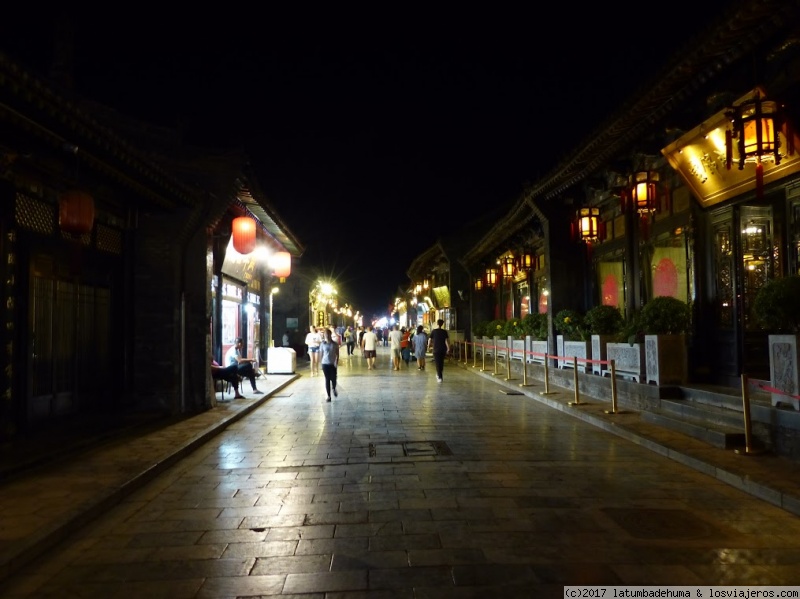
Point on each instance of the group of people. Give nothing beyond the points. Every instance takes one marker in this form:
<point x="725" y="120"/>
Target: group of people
<point x="238" y="367"/>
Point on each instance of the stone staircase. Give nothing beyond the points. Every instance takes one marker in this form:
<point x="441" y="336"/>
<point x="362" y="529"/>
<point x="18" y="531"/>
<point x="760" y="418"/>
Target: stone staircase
<point x="715" y="415"/>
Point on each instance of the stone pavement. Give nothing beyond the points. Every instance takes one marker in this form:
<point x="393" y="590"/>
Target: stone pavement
<point x="401" y="487"/>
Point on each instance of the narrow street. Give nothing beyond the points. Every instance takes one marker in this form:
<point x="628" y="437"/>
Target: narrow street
<point x="405" y="488"/>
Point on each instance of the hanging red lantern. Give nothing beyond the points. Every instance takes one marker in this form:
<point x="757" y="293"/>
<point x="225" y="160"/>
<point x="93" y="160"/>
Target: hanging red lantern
<point x="244" y="234"/>
<point x="282" y="264"/>
<point x="76" y="212"/>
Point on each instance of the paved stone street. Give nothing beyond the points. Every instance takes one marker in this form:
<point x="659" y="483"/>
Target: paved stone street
<point x="405" y="488"/>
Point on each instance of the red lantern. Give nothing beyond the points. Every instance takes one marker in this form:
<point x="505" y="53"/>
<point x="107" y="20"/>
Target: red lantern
<point x="244" y="234"/>
<point x="589" y="224"/>
<point x="282" y="264"/>
<point x="76" y="212"/>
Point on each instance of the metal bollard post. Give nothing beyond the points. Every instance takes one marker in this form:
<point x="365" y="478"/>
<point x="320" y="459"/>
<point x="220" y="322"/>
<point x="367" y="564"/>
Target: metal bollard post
<point x="494" y="372"/>
<point x="466" y="352"/>
<point x="748" y="428"/>
<point x="475" y="355"/>
<point x="483" y="357"/>
<point x="546" y="378"/>
<point x="524" y="382"/>
<point x="577" y="401"/>
<point x="508" y="361"/>
<point x="613" y="409"/>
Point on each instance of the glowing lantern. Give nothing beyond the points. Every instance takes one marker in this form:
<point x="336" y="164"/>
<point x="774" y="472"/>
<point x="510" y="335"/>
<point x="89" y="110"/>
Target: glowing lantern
<point x="282" y="264"/>
<point x="644" y="198"/>
<point x="589" y="224"/>
<point x="491" y="277"/>
<point x="478" y="284"/>
<point x="76" y="212"/>
<point x="525" y="261"/>
<point x="755" y="127"/>
<point x="508" y="267"/>
<point x="244" y="234"/>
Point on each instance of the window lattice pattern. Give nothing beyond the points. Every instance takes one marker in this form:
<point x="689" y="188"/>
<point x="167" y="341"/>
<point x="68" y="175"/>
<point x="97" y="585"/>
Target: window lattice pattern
<point x="109" y="240"/>
<point x="34" y="215"/>
<point x="82" y="239"/>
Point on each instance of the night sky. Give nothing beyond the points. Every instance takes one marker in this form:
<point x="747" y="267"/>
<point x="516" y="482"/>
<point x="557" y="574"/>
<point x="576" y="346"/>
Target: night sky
<point x="373" y="132"/>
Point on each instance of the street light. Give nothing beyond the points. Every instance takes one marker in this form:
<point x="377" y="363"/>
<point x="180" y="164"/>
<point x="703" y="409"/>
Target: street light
<point x="272" y="292"/>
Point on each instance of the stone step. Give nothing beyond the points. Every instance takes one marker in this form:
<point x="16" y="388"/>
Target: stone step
<point x="713" y="414"/>
<point x="716" y="435"/>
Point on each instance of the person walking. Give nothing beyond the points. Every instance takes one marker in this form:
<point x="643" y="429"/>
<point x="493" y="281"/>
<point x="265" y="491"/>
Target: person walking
<point x="395" y="338"/>
<point x="405" y="346"/>
<point x="313" y="339"/>
<point x="350" y="340"/>
<point x="329" y="361"/>
<point x="420" y="345"/>
<point x="440" y="345"/>
<point x="369" y="347"/>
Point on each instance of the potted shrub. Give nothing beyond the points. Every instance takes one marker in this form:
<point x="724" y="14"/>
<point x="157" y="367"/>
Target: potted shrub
<point x="604" y="323"/>
<point x="574" y="339"/>
<point x="665" y="320"/>
<point x="777" y="309"/>
<point x="515" y="338"/>
<point x="535" y="327"/>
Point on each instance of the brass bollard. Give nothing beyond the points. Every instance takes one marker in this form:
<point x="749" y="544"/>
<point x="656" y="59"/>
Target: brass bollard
<point x="494" y="372"/>
<point x="508" y="362"/>
<point x="524" y="382"/>
<point x="466" y="351"/>
<point x="547" y="378"/>
<point x="483" y="356"/>
<point x="475" y="355"/>
<point x="577" y="401"/>
<point x="748" y="428"/>
<point x="613" y="409"/>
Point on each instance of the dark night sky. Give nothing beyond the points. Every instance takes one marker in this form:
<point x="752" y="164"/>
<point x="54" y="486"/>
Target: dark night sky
<point x="373" y="132"/>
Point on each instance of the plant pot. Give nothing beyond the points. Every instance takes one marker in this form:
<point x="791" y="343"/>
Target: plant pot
<point x="783" y="369"/>
<point x="599" y="343"/>
<point x="577" y="349"/>
<point x="665" y="359"/>
<point x="628" y="359"/>
<point x="538" y="346"/>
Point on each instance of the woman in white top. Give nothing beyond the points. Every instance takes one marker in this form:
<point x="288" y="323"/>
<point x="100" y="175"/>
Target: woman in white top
<point x="313" y="339"/>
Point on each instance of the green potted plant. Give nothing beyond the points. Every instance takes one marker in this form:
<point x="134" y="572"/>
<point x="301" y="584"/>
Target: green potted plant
<point x="776" y="308"/>
<point x="574" y="339"/>
<point x="535" y="326"/>
<point x="665" y="321"/>
<point x="604" y="323"/>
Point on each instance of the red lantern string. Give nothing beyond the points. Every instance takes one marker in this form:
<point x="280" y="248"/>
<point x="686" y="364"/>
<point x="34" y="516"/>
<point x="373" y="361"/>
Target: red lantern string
<point x="760" y="180"/>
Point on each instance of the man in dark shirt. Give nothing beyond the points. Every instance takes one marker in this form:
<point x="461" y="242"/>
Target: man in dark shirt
<point x="440" y="342"/>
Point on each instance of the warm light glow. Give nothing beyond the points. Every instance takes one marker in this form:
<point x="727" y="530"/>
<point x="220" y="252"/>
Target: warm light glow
<point x="478" y="284"/>
<point x="281" y="264"/>
<point x="643" y="191"/>
<point x="526" y="261"/>
<point x="491" y="277"/>
<point x="758" y="128"/>
<point x="588" y="224"/>
<point x="426" y="284"/>
<point x="244" y="234"/>
<point x="508" y="267"/>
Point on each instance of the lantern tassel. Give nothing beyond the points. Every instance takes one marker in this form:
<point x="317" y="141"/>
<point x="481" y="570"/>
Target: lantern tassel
<point x="760" y="181"/>
<point x="644" y="225"/>
<point x="728" y="149"/>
